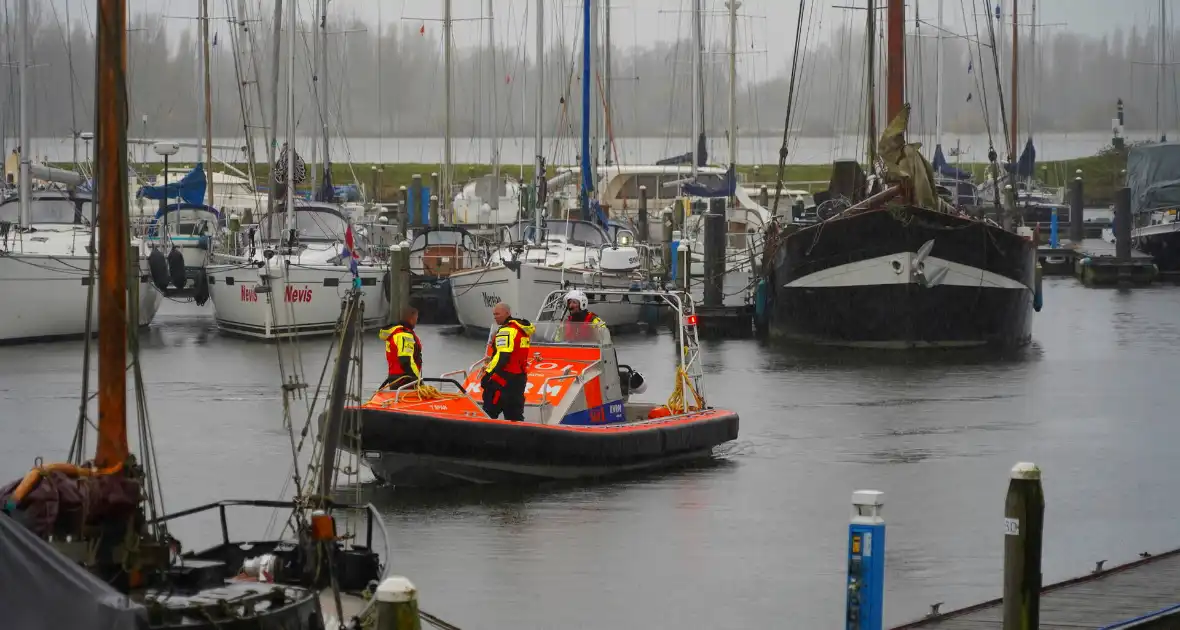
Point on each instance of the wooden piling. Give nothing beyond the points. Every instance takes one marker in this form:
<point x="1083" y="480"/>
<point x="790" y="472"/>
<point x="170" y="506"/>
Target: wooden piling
<point x="1122" y="224"/>
<point x="714" y="253"/>
<point x="434" y="211"/>
<point x="394" y="281"/>
<point x="437" y="191"/>
<point x="416" y="200"/>
<point x="764" y="197"/>
<point x="1077" y="204"/>
<point x="666" y="234"/>
<point x="643" y="227"/>
<point x="373" y="184"/>
<point x="1024" y="523"/>
<point x="397" y="605"/>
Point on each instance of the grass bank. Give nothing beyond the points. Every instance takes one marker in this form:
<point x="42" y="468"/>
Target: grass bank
<point x="1102" y="173"/>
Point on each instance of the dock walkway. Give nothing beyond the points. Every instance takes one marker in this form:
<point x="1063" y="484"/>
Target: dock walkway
<point x="1143" y="594"/>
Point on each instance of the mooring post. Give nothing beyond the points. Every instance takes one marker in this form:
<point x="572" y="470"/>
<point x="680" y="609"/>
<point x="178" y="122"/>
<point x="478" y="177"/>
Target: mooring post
<point x="434" y="211"/>
<point x="437" y="192"/>
<point x="1122" y="224"/>
<point x="373" y="184"/>
<point x="764" y="197"/>
<point x="643" y="227"/>
<point x="397" y="605"/>
<point x="1024" y="524"/>
<point x="1077" y="204"/>
<point x="683" y="264"/>
<point x="714" y="252"/>
<point x="393" y="281"/>
<point x="416" y="200"/>
<point x="1008" y="208"/>
<point x="866" y="562"/>
<point x="666" y="236"/>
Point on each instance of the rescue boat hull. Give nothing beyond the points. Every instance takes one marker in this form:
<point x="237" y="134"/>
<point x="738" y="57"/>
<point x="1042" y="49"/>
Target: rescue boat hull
<point x="420" y="450"/>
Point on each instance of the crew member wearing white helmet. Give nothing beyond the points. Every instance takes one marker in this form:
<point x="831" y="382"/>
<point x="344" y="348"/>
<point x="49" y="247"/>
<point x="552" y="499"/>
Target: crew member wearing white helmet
<point x="580" y="323"/>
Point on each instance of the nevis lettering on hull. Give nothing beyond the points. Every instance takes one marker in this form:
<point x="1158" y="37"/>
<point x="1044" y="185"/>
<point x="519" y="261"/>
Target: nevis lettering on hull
<point x="248" y="294"/>
<point x="293" y="294"/>
<point x="490" y="300"/>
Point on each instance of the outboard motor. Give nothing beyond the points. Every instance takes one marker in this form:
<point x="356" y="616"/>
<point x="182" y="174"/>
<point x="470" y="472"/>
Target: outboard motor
<point x="158" y="266"/>
<point x="176" y="268"/>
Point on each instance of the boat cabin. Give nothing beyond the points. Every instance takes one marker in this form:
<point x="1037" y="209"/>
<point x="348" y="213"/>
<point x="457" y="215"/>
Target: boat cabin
<point x="313" y="222"/>
<point x="50" y="208"/>
<point x="181" y="221"/>
<point x="438" y="252"/>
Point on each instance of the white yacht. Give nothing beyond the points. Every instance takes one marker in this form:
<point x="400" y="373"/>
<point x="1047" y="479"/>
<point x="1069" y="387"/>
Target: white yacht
<point x="45" y="269"/>
<point x="278" y="287"/>
<point x="528" y="266"/>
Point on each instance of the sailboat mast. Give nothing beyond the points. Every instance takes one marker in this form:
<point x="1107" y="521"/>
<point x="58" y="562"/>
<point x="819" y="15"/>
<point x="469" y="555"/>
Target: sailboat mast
<point x="292" y="27"/>
<point x="272" y="134"/>
<point x="322" y="87"/>
<point x="448" y="93"/>
<point x="111" y="182"/>
<point x="596" y="101"/>
<point x="606" y="80"/>
<point x="1159" y="70"/>
<point x="733" y="7"/>
<point x="1015" y="82"/>
<point x="587" y="41"/>
<point x="494" y="202"/>
<point x="538" y="121"/>
<point x="871" y="79"/>
<point x="696" y="85"/>
<point x="938" y="79"/>
<point x="208" y="78"/>
<point x="25" y="188"/>
<point x="895" y="59"/>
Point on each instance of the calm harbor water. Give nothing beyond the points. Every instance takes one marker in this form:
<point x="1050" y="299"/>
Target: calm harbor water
<point x="753" y="539"/>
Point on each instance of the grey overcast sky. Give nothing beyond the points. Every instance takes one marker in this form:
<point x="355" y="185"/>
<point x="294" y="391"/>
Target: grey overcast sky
<point x="766" y="28"/>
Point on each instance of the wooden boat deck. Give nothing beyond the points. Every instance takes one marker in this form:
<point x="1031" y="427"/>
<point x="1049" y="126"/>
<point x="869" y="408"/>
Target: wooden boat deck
<point x="1141" y="594"/>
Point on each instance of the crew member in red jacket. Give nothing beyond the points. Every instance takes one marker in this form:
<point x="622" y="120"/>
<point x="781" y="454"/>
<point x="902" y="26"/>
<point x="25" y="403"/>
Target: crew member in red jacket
<point x="403" y="350"/>
<point x="506" y="373"/>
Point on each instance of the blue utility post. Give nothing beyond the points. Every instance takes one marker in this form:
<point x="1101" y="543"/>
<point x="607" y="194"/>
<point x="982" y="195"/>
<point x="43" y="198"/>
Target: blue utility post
<point x="866" y="562"/>
<point x="1053" y="230"/>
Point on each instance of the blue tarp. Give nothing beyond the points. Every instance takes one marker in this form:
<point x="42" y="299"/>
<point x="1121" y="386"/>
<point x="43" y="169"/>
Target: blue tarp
<point x="943" y="168"/>
<point x="726" y="189"/>
<point x="190" y="189"/>
<point x="422" y="205"/>
<point x="1153" y="175"/>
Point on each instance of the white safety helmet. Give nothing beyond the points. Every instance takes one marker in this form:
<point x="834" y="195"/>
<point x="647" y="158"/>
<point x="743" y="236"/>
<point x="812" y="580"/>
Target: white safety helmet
<point x="575" y="294"/>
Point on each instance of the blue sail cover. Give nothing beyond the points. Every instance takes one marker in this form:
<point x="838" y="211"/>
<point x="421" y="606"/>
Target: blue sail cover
<point x="1153" y="175"/>
<point x="1027" y="164"/>
<point x="190" y="189"/>
<point x="941" y="167"/>
<point x="686" y="158"/>
<point x="725" y="189"/>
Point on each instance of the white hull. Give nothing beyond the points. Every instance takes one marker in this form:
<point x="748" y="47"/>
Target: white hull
<point x="476" y="291"/>
<point x="304" y="300"/>
<point x="44" y="297"/>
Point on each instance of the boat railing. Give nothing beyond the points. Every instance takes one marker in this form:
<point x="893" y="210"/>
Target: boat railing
<point x="545" y="403"/>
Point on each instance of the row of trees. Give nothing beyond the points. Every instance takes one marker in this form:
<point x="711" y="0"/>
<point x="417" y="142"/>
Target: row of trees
<point x="390" y="84"/>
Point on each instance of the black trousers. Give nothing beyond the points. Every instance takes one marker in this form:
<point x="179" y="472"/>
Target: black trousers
<point x="395" y="381"/>
<point x="506" y="398"/>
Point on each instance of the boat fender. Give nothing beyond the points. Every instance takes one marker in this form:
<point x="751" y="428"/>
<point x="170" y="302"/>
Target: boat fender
<point x="201" y="284"/>
<point x="1038" y="293"/>
<point x="387" y="284"/>
<point x="176" y="268"/>
<point x="158" y="266"/>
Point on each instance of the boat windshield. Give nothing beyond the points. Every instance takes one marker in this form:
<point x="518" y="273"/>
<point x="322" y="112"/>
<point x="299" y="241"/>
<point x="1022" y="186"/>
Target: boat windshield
<point x="578" y="233"/>
<point x="49" y="211"/>
<point x="571" y="334"/>
<point x="185" y="222"/>
<point x="312" y="224"/>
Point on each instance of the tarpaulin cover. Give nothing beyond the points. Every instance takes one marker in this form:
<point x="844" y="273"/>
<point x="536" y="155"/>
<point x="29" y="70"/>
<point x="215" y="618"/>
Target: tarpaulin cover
<point x="1153" y="175"/>
<point x="190" y="188"/>
<point x="942" y="167"/>
<point x="42" y="589"/>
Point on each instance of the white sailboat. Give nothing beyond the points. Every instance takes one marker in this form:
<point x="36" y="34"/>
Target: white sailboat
<point x="298" y="266"/>
<point x="573" y="254"/>
<point x="46" y="242"/>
